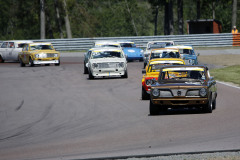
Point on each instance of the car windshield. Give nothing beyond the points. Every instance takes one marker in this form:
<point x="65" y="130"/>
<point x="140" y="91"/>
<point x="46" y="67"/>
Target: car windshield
<point x="124" y="45"/>
<point x="41" y="47"/>
<point x="186" y="51"/>
<point x="165" y="54"/>
<point x="156" y="67"/>
<point x="183" y="74"/>
<point x="107" y="54"/>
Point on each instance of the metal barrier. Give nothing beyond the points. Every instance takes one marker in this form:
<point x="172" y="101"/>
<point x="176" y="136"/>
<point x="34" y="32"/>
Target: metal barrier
<point x="199" y="40"/>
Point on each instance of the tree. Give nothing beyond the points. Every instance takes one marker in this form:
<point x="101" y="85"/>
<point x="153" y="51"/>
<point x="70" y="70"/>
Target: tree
<point x="234" y="12"/>
<point x="67" y="23"/>
<point x="180" y="16"/>
<point x="42" y="15"/>
<point x="56" y="3"/>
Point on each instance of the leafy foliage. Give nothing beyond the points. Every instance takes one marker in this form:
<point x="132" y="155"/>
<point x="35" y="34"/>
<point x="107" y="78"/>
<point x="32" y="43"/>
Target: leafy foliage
<point x="20" y="19"/>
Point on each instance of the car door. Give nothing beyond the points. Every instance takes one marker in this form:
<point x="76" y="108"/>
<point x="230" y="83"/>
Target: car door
<point x="4" y="50"/>
<point x="10" y="50"/>
<point x="24" y="55"/>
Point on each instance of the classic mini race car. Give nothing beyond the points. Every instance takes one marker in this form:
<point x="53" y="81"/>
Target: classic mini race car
<point x="152" y="71"/>
<point x="131" y="51"/>
<point x="39" y="53"/>
<point x="9" y="50"/>
<point x="187" y="54"/>
<point x="183" y="86"/>
<point x="107" y="62"/>
<point x="153" y="45"/>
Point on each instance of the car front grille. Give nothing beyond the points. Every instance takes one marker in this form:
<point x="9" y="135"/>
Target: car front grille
<point x="108" y="65"/>
<point x="50" y="55"/>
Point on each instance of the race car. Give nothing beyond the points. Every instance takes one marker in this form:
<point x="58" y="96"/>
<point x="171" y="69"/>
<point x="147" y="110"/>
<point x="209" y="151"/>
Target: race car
<point x="152" y="71"/>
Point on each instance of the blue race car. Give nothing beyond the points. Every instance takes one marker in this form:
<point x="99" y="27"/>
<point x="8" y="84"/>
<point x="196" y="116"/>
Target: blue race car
<point x="187" y="54"/>
<point x="131" y="51"/>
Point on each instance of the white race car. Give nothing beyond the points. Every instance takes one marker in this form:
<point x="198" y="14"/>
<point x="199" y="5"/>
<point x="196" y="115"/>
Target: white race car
<point x="107" y="62"/>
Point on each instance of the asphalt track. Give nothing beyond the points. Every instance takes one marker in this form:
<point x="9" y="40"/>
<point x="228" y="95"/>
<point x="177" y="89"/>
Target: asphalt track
<point x="52" y="112"/>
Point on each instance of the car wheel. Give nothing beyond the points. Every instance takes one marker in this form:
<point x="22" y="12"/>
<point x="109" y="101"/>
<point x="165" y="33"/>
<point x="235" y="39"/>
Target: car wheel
<point x="90" y="75"/>
<point x="145" y="95"/>
<point x="21" y="63"/>
<point x="209" y="106"/>
<point x="214" y="104"/>
<point x="47" y="64"/>
<point x="153" y="109"/>
<point x="125" y="74"/>
<point x="144" y="65"/>
<point x="85" y="69"/>
<point x="1" y="59"/>
<point x="31" y="62"/>
<point x="141" y="60"/>
<point x="57" y="64"/>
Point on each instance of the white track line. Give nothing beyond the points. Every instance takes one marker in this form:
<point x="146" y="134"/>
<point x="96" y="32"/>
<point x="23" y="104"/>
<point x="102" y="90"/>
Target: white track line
<point x="224" y="83"/>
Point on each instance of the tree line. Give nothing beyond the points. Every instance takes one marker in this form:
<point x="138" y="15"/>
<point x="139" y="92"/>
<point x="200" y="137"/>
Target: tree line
<point x="50" y="19"/>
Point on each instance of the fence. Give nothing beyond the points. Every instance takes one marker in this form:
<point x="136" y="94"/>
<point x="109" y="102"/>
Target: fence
<point x="199" y="40"/>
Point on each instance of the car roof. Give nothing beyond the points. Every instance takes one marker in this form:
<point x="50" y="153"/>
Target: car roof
<point x="106" y="42"/>
<point x="180" y="47"/>
<point x="166" y="60"/>
<point x="160" y="50"/>
<point x="20" y="41"/>
<point x="185" y="66"/>
<point x="106" y="49"/>
<point x="160" y="42"/>
<point x="40" y="43"/>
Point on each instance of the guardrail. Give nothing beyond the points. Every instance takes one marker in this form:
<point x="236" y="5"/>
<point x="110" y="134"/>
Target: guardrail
<point x="199" y="40"/>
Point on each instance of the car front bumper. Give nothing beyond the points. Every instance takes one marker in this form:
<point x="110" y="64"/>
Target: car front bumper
<point x="180" y="101"/>
<point x="108" y="72"/>
<point x="45" y="61"/>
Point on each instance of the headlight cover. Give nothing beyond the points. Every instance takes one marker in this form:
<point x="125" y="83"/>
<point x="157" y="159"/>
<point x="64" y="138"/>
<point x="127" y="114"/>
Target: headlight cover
<point x="150" y="82"/>
<point x="55" y="55"/>
<point x="121" y="64"/>
<point x="202" y="92"/>
<point x="95" y="65"/>
<point x="155" y="92"/>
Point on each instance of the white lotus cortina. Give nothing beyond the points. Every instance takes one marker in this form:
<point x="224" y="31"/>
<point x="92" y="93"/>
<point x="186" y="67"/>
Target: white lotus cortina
<point x="107" y="62"/>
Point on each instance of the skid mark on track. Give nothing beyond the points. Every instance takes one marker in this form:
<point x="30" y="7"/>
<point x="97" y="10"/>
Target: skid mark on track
<point x="25" y="128"/>
<point x="20" y="106"/>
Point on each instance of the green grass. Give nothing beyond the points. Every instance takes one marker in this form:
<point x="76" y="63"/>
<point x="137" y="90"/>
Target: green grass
<point x="227" y="74"/>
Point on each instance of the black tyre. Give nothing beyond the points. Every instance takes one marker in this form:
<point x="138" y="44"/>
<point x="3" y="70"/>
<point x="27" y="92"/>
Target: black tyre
<point x="209" y="106"/>
<point x="57" y="64"/>
<point x="214" y="104"/>
<point x="85" y="69"/>
<point x="125" y="74"/>
<point x="153" y="109"/>
<point x="144" y="65"/>
<point x="47" y="64"/>
<point x="1" y="59"/>
<point x="145" y="95"/>
<point x="31" y="62"/>
<point x="90" y="76"/>
<point x="21" y="63"/>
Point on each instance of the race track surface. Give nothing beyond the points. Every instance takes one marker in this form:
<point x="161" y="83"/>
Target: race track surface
<point x="52" y="112"/>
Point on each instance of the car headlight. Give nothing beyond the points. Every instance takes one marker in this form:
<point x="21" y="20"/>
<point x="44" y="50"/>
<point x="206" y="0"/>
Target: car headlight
<point x="148" y="82"/>
<point x="56" y="55"/>
<point x="202" y="92"/>
<point x="141" y="51"/>
<point x="121" y="64"/>
<point x="37" y="55"/>
<point x="95" y="65"/>
<point x="155" y="92"/>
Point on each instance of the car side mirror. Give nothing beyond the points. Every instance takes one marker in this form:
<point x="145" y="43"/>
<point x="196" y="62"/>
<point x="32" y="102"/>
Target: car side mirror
<point x="143" y="71"/>
<point x="198" y="54"/>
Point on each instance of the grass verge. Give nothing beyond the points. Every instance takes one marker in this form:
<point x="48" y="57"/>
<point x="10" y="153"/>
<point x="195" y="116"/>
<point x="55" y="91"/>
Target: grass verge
<point x="227" y="74"/>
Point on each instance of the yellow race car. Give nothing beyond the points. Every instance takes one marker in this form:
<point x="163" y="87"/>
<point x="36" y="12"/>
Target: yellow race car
<point x="151" y="73"/>
<point x="39" y="53"/>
